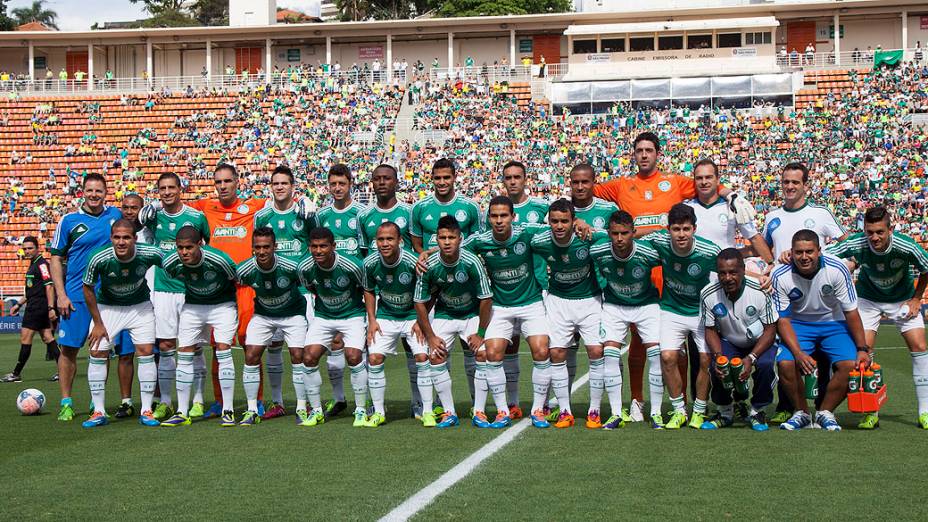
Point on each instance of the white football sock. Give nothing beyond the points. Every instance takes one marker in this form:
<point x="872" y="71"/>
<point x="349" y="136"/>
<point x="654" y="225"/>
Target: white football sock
<point x="678" y="404"/>
<point x="184" y="381"/>
<point x="312" y="384"/>
<point x="496" y="380"/>
<point x="167" y="368"/>
<point x="655" y="380"/>
<point x="227" y="379"/>
<point x="612" y="378"/>
<point x="424" y="384"/>
<point x="275" y="374"/>
<point x="251" y="380"/>
<point x="511" y="367"/>
<point x="441" y="379"/>
<point x="96" y="378"/>
<point x="541" y="382"/>
<point x="298" y="370"/>
<point x="359" y="384"/>
<point x="148" y="377"/>
<point x="700" y="406"/>
<point x="559" y="383"/>
<point x="335" y="364"/>
<point x="376" y="383"/>
<point x="199" y="375"/>
<point x="481" y="389"/>
<point x="596" y="383"/>
<point x="920" y="375"/>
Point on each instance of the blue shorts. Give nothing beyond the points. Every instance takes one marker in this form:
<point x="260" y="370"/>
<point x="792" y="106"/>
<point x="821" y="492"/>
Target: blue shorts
<point x="123" y="343"/>
<point x="73" y="331"/>
<point x="831" y="338"/>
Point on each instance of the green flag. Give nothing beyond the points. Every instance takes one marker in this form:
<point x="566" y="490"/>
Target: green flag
<point x="891" y="58"/>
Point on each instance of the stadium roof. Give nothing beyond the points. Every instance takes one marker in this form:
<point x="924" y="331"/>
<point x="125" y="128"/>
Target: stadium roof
<point x="685" y="25"/>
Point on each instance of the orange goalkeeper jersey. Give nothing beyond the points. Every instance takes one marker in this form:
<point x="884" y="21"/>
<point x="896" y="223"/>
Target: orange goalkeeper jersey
<point x="230" y="227"/>
<point x="648" y="199"/>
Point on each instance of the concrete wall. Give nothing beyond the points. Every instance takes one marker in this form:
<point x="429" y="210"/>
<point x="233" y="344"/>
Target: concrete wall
<point x="244" y="13"/>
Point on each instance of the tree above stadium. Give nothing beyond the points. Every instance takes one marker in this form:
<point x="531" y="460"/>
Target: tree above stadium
<point x="356" y="10"/>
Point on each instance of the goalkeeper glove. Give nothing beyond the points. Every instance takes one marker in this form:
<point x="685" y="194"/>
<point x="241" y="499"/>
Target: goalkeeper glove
<point x="742" y="208"/>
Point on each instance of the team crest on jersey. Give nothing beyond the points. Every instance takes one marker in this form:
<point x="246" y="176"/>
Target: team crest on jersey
<point x="723" y="218"/>
<point x="582" y="253"/>
<point x="648" y="195"/>
<point x="461" y="277"/>
<point x="352" y="223"/>
<point x="599" y="222"/>
<point x="664" y="186"/>
<point x="827" y="290"/>
<point x="896" y="263"/>
<point x="532" y="217"/>
<point x="460" y="215"/>
<point x="401" y="222"/>
<point x="209" y="275"/>
<point x="297" y="225"/>
<point x="719" y="310"/>
<point x="283" y="282"/>
<point x="794" y="294"/>
<point x="519" y="248"/>
<point x="638" y="272"/>
<point x="341" y="282"/>
<point x="694" y="270"/>
<point x="405" y="278"/>
<point x="809" y="223"/>
<point x="242" y="209"/>
<point x="750" y="310"/>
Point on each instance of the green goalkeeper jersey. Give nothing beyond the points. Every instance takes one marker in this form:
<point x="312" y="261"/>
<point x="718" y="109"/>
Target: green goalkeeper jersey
<point x="884" y="277"/>
<point x="427" y="211"/>
<point x="684" y="276"/>
<point x="459" y="286"/>
<point x="628" y="280"/>
<point x="210" y="282"/>
<point x="345" y="226"/>
<point x="164" y="229"/>
<point x="373" y="216"/>
<point x="572" y="274"/>
<point x="277" y="291"/>
<point x="510" y="265"/>
<point x="122" y="283"/>
<point x="394" y="285"/>
<point x="339" y="289"/>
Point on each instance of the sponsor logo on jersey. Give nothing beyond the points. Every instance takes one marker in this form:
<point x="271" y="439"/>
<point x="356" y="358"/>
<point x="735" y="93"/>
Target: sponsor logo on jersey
<point x="78" y="231"/>
<point x="719" y="310"/>
<point x="171" y="226"/>
<point x="694" y="270"/>
<point x="653" y="220"/>
<point x="236" y="232"/>
<point x="664" y="186"/>
<point x="648" y="195"/>
<point x="267" y="285"/>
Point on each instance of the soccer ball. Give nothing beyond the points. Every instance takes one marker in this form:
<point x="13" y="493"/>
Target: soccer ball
<point x="30" y="401"/>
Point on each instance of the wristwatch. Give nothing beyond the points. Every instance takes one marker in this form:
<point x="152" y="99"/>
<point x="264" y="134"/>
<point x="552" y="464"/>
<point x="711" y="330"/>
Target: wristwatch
<point x="752" y="357"/>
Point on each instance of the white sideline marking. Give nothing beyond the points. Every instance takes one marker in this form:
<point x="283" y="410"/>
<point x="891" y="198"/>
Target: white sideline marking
<point x="426" y="495"/>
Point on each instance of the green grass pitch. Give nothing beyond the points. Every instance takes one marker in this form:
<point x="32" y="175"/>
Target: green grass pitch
<point x="54" y="470"/>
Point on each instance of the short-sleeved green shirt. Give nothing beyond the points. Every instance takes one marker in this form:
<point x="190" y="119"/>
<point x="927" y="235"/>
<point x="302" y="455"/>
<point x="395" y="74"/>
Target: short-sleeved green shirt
<point x="510" y="265"/>
<point x="684" y="276"/>
<point x="597" y="213"/>
<point x="628" y="280"/>
<point x="884" y="277"/>
<point x="427" y="211"/>
<point x="394" y="285"/>
<point x="459" y="286"/>
<point x="345" y="226"/>
<point x="212" y="281"/>
<point x="373" y="216"/>
<point x="164" y="231"/>
<point x="290" y="230"/>
<point x="277" y="291"/>
<point x="122" y="283"/>
<point x="339" y="289"/>
<point x="572" y="272"/>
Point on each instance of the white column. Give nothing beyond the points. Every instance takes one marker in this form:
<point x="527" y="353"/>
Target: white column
<point x="512" y="48"/>
<point x="149" y="65"/>
<point x="267" y="61"/>
<point x="389" y="64"/>
<point x="32" y="62"/>
<point x="328" y="50"/>
<point x="450" y="51"/>
<point x="837" y="23"/>
<point x="89" y="67"/>
<point x="209" y="62"/>
<point x="905" y="33"/>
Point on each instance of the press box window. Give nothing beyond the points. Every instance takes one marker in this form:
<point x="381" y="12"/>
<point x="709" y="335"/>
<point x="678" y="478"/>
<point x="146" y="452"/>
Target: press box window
<point x="758" y="38"/>
<point x="640" y="44"/>
<point x="612" y="45"/>
<point x="670" y="43"/>
<point x="584" y="46"/>
<point x="729" y="40"/>
<point x="699" y="41"/>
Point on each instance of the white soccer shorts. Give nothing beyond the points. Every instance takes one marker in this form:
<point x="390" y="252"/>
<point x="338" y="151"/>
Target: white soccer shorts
<point x="138" y="320"/>
<point x="675" y="328"/>
<point x="196" y="320"/>
<point x="872" y="311"/>
<point x="449" y="329"/>
<point x="322" y="331"/>
<point x="262" y="330"/>
<point x="617" y="318"/>
<point x="167" y="312"/>
<point x="279" y="334"/>
<point x="528" y="321"/>
<point x="569" y="316"/>
<point x="385" y="342"/>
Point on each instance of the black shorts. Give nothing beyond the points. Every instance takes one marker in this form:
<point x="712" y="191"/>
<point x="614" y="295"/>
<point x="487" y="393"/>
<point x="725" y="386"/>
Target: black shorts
<point x="36" y="318"/>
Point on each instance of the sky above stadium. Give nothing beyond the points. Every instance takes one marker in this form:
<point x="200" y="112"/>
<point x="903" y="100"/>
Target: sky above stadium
<point x="79" y="15"/>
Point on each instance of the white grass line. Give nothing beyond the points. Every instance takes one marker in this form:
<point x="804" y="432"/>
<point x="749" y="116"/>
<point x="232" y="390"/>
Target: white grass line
<point x="426" y="495"/>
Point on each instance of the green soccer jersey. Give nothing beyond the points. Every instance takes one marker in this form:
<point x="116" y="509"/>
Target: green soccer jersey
<point x="460" y="286"/>
<point x="344" y="225"/>
<point x="684" y="276"/>
<point x="122" y="283"/>
<point x="373" y="216"/>
<point x="534" y="211"/>
<point x="427" y="211"/>
<point x="884" y="277"/>
<point x="628" y="280"/>
<point x="572" y="273"/>
<point x="510" y="265"/>
<point x="211" y="281"/>
<point x="290" y="230"/>
<point x="163" y="230"/>
<point x="597" y="213"/>
<point x="339" y="289"/>
<point x="393" y="285"/>
<point x="277" y="291"/>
